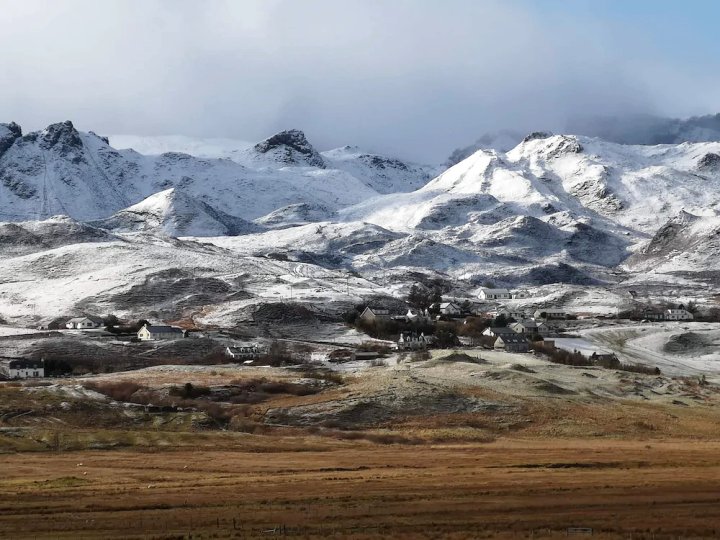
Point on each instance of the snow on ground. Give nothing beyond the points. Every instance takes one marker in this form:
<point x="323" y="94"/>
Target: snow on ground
<point x="581" y="345"/>
<point x="16" y="331"/>
<point x="647" y="344"/>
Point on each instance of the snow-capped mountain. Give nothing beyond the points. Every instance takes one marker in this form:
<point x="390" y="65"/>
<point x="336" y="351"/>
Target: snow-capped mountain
<point x="175" y="213"/>
<point x="63" y="171"/>
<point x="291" y="148"/>
<point x="555" y="208"/>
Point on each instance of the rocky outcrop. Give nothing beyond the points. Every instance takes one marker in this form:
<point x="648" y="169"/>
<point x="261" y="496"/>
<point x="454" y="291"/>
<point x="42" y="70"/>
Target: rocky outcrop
<point x="9" y="133"/>
<point x="291" y="147"/>
<point x="709" y="162"/>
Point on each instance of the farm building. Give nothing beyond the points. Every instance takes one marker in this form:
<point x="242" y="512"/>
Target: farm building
<point x="154" y="333"/>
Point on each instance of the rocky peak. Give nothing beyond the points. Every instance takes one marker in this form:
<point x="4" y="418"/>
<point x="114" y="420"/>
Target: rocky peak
<point x="62" y="135"/>
<point x="537" y="135"/>
<point x="709" y="162"/>
<point x="291" y="147"/>
<point x="9" y="133"/>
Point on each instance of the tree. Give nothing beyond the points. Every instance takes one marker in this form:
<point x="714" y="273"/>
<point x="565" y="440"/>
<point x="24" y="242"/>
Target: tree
<point x="417" y="297"/>
<point x="111" y="320"/>
<point x="445" y="338"/>
<point x="500" y="321"/>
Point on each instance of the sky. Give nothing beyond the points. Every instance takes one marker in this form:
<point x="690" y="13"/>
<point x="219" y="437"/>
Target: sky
<point x="411" y="78"/>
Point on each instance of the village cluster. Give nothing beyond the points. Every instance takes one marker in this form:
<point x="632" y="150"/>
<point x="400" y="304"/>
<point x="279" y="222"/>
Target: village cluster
<point x="504" y="329"/>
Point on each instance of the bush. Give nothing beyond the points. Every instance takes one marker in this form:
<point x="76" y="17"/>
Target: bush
<point x="189" y="391"/>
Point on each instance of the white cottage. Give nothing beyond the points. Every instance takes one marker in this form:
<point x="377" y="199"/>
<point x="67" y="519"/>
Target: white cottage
<point x="550" y="313"/>
<point x="22" y="369"/>
<point x="243" y="351"/>
<point x="410" y="341"/>
<point x="84" y="323"/>
<point x="372" y="315"/>
<point x="450" y="309"/>
<point x="154" y="333"/>
<point x="494" y="294"/>
<point x="678" y="315"/>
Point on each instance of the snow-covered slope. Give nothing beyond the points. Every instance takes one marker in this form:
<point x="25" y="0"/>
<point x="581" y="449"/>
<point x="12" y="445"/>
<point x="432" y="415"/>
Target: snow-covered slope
<point x="383" y="174"/>
<point x="175" y="213"/>
<point x="686" y="243"/>
<point x="212" y="148"/>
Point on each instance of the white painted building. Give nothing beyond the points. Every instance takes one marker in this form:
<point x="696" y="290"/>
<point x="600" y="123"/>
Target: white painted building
<point x="83" y="323"/>
<point x="154" y="333"/>
<point x="550" y="313"/>
<point x="494" y="294"/>
<point x="450" y="309"/>
<point x="22" y="369"/>
<point x="678" y="315"/>
<point x="371" y="315"/>
<point x="410" y="341"/>
<point x="243" y="351"/>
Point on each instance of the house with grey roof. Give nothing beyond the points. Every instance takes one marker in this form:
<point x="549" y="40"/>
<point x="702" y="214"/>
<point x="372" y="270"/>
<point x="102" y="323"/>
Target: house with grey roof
<point x="154" y="333"/>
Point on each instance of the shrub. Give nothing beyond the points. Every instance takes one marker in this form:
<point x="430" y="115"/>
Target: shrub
<point x="189" y="391"/>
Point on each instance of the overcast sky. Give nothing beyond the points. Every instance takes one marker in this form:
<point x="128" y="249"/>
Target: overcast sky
<point x="415" y="78"/>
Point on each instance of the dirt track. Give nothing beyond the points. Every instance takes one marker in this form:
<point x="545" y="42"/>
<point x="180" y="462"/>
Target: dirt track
<point x="505" y="489"/>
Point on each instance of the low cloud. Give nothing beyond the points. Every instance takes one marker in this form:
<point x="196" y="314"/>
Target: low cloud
<point x="406" y="77"/>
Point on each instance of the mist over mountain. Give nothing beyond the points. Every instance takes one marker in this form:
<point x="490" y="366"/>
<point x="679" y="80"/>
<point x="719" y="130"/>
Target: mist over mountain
<point x="629" y="128"/>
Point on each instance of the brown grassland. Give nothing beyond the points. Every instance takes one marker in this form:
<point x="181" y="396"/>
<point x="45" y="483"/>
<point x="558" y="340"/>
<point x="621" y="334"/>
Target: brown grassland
<point x="469" y="451"/>
<point x="306" y="488"/>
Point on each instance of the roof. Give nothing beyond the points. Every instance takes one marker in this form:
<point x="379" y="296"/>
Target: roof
<point x="502" y="330"/>
<point x="238" y="347"/>
<point x="22" y="363"/>
<point x="496" y="291"/>
<point x="512" y="338"/>
<point x="164" y="329"/>
<point x="96" y="320"/>
<point x="526" y="324"/>
<point x="447" y="304"/>
<point x="377" y="311"/>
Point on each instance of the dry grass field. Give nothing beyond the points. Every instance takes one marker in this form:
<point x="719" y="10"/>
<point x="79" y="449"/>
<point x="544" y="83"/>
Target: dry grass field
<point x="478" y="448"/>
<point x="308" y="488"/>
